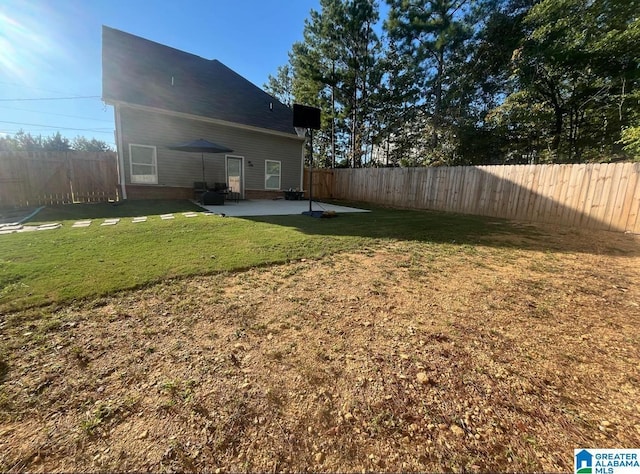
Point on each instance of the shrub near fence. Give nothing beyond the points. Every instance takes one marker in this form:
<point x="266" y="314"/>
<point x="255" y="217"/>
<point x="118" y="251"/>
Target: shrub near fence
<point x="597" y="196"/>
<point x="40" y="178"/>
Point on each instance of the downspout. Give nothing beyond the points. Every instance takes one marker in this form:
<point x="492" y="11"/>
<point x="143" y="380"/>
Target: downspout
<point x="120" y="146"/>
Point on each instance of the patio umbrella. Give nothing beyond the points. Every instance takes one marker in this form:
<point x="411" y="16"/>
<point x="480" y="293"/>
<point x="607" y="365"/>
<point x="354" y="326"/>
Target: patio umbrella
<point x="201" y="146"/>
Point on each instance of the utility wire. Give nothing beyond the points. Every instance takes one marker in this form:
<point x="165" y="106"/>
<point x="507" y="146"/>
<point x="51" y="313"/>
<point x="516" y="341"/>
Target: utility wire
<point x="31" y="130"/>
<point x="52" y="98"/>
<point x="97" y="130"/>
<point x="53" y="113"/>
<point x="25" y="86"/>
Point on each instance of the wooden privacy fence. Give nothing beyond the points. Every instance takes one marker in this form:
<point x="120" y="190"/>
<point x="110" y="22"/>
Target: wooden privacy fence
<point x="597" y="196"/>
<point x="40" y="178"/>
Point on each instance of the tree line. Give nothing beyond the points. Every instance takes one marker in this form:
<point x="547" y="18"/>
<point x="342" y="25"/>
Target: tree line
<point x="24" y="141"/>
<point x="467" y="82"/>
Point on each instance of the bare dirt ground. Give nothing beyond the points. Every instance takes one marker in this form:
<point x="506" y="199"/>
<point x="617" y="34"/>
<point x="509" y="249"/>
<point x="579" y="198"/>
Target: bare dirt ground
<point x="407" y="356"/>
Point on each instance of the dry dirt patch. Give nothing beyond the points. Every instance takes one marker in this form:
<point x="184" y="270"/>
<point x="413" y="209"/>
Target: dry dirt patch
<point x="411" y="356"/>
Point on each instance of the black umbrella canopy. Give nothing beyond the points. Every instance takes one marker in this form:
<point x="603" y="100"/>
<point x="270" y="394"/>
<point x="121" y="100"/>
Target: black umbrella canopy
<point x="201" y="146"/>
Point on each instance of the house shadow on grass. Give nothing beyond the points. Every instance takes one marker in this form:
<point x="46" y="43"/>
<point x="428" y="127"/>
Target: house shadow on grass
<point x="459" y="229"/>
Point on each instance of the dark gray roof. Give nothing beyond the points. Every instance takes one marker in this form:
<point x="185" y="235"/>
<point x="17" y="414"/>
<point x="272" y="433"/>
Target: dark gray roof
<point x="139" y="71"/>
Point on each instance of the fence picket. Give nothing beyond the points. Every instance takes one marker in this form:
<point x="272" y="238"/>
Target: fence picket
<point x="619" y="179"/>
<point x="551" y="204"/>
<point x="593" y="196"/>
<point x="630" y="202"/>
<point x="519" y="182"/>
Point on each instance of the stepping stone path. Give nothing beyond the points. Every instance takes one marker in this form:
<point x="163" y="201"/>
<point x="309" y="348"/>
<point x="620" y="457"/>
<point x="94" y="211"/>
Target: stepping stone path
<point x="110" y="222"/>
<point x="82" y="224"/>
<point x="49" y="226"/>
<point x="11" y="228"/>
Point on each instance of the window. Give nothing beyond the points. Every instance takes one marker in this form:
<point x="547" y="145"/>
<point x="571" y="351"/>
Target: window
<point x="144" y="168"/>
<point x="272" y="174"/>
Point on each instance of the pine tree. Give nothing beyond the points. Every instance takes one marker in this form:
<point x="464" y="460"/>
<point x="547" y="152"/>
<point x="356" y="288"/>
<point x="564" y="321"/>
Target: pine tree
<point x="280" y="86"/>
<point x="431" y="32"/>
<point x="335" y="68"/>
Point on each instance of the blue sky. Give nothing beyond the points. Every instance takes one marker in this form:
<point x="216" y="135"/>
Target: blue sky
<point x="52" y="49"/>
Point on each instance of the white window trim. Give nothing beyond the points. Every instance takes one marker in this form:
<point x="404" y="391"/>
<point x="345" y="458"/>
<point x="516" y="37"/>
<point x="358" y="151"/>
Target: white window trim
<point x="134" y="177"/>
<point x="267" y="176"/>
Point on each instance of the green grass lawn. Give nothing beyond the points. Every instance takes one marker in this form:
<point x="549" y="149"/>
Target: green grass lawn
<point x="65" y="264"/>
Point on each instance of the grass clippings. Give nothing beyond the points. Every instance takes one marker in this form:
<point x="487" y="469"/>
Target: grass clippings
<point x="501" y="356"/>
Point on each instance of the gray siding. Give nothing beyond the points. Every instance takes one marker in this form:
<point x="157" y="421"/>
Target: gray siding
<point x="177" y="168"/>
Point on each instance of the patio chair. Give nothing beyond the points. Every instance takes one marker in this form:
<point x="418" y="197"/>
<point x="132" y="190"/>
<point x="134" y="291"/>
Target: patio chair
<point x="228" y="192"/>
<point x="199" y="188"/>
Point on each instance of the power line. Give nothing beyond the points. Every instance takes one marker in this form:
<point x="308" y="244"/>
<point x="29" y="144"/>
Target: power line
<point x="14" y="132"/>
<point x="31" y="130"/>
<point x="53" y="113"/>
<point x="97" y="130"/>
<point x="52" y="98"/>
<point x="88" y="132"/>
<point x="24" y="86"/>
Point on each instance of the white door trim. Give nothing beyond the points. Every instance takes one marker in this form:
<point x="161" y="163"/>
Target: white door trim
<point x="226" y="171"/>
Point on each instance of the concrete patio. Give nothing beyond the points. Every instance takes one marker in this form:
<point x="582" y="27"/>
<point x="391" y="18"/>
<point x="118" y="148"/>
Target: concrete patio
<point x="274" y="207"/>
